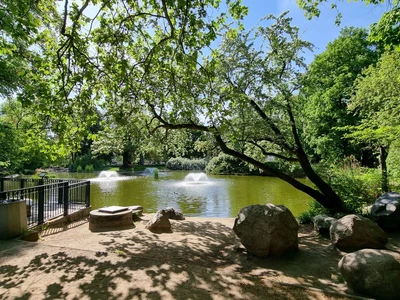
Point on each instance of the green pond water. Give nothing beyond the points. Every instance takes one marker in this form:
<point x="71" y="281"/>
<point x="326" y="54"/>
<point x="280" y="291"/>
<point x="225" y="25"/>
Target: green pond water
<point x="207" y="196"/>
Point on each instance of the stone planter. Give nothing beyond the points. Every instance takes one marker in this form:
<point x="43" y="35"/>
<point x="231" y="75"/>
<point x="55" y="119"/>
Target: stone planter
<point x="13" y="221"/>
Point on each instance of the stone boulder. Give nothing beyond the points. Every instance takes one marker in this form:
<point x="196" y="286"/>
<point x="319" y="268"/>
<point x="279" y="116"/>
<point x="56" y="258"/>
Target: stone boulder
<point x="174" y="214"/>
<point x="354" y="232"/>
<point x="159" y="222"/>
<point x="266" y="230"/>
<point x="322" y="223"/>
<point x="386" y="210"/>
<point x="374" y="273"/>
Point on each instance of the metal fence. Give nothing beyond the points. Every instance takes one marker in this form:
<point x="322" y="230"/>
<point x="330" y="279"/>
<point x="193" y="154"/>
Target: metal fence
<point x="46" y="198"/>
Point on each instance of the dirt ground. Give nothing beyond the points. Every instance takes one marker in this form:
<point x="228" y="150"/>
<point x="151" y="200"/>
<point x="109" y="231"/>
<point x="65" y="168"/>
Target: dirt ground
<point x="200" y="259"/>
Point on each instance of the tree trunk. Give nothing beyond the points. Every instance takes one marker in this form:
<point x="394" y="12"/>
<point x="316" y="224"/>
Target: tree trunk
<point x="382" y="164"/>
<point x="126" y="159"/>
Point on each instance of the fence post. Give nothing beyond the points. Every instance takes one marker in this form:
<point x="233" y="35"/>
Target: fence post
<point x="66" y="197"/>
<point x="87" y="196"/>
<point x="41" y="203"/>
<point x="61" y="193"/>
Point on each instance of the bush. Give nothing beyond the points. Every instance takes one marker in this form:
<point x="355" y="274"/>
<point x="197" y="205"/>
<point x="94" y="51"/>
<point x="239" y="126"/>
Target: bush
<point x="79" y="169"/>
<point x="86" y="160"/>
<point x="180" y="163"/>
<point x="357" y="187"/>
<point x="89" y="168"/>
<point x="28" y="171"/>
<point x="314" y="209"/>
<point x="226" y="164"/>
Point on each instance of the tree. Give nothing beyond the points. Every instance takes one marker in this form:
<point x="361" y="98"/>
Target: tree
<point x="26" y="142"/>
<point x="377" y="92"/>
<point x="247" y="97"/>
<point x="23" y="24"/>
<point x="328" y="89"/>
<point x="146" y="56"/>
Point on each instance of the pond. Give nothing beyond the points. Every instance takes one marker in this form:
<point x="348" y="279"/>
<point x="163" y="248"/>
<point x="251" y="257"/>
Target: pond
<point x="210" y="196"/>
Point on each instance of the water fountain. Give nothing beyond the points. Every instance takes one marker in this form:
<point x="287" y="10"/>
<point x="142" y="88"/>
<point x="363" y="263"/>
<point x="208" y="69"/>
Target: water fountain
<point x="150" y="170"/>
<point x="196" y="178"/>
<point x="108" y="174"/>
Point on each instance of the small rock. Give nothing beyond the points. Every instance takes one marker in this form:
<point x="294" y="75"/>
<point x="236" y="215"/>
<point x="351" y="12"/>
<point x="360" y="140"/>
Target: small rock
<point x="322" y="223"/>
<point x="159" y="222"/>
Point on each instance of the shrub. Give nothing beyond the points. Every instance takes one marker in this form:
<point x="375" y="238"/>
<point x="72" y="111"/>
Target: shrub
<point x="314" y="209"/>
<point x="79" y="169"/>
<point x="357" y="187"/>
<point x="226" y="164"/>
<point x="89" y="168"/>
<point x="28" y="171"/>
<point x="180" y="163"/>
<point x="86" y="160"/>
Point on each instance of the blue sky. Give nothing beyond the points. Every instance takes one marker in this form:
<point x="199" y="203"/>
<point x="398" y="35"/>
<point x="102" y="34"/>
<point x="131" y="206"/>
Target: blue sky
<point x="319" y="31"/>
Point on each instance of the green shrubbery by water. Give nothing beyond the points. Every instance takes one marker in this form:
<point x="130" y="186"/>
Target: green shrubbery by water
<point x="357" y="187"/>
<point x="180" y="163"/>
<point x="225" y="164"/>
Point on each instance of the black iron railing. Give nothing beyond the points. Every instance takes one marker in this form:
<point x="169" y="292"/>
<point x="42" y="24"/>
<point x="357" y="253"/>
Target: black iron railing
<point x="46" y="198"/>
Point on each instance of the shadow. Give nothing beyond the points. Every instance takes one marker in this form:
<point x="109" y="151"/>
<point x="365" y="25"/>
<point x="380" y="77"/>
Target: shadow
<point x="200" y="261"/>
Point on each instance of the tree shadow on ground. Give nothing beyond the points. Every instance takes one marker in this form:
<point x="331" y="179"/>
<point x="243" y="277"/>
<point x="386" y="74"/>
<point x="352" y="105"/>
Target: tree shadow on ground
<point x="201" y="264"/>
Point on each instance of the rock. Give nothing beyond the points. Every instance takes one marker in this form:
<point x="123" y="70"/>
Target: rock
<point x="266" y="230"/>
<point x="174" y="214"/>
<point x="354" y="232"/>
<point x="386" y="210"/>
<point x="375" y="273"/>
<point x="159" y="222"/>
<point x="322" y="223"/>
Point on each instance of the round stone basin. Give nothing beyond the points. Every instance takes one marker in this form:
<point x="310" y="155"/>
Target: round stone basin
<point x="114" y="218"/>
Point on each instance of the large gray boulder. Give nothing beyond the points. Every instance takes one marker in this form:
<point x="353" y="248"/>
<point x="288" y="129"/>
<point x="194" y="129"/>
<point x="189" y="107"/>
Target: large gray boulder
<point x="159" y="222"/>
<point x="354" y="232"/>
<point x="322" y="223"/>
<point x="266" y="230"/>
<point x="386" y="210"/>
<point x="374" y="273"/>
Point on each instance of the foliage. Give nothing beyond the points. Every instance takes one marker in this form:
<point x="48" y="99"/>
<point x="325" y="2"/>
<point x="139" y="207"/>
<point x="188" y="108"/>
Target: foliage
<point x="89" y="168"/>
<point x="376" y="102"/>
<point x="393" y="160"/>
<point x="226" y="164"/>
<point x="289" y="168"/>
<point x="79" y="169"/>
<point x="180" y="163"/>
<point x="327" y="90"/>
<point x="357" y="186"/>
<point x="385" y="32"/>
<point x="86" y="161"/>
<point x="313" y="210"/>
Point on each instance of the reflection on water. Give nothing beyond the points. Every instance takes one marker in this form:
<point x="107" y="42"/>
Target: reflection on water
<point x="212" y="196"/>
